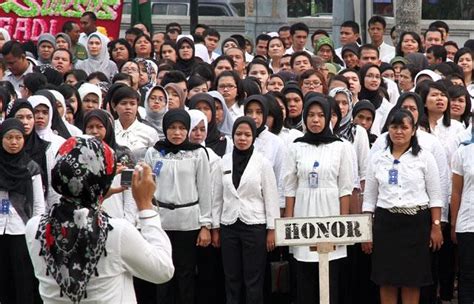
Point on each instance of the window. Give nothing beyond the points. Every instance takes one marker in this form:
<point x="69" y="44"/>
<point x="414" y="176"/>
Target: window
<point x="159" y="9"/>
<point x="448" y="9"/>
<point x="169" y="9"/>
<point x="302" y="8"/>
<point x="212" y="10"/>
<point x="383" y="7"/>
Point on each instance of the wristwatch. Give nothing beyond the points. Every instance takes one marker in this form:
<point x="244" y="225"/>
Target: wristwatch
<point x="207" y="226"/>
<point x="437" y="222"/>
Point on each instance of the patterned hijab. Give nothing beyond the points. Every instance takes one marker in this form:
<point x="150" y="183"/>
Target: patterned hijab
<point x="74" y="233"/>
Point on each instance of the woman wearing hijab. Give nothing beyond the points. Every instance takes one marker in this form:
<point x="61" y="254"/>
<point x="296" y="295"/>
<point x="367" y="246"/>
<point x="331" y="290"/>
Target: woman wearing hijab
<point x="21" y="193"/>
<point x="462" y="231"/>
<point x="183" y="169"/>
<point x="156" y="106"/>
<point x="61" y="107"/>
<point x="276" y="118"/>
<point x="318" y="182"/>
<point x="43" y="112"/>
<point x="244" y="211"/>
<point x="214" y="140"/>
<point x="39" y="150"/>
<point x="119" y="204"/>
<point x="176" y="96"/>
<point x="223" y="118"/>
<point x="57" y="124"/>
<point x="98" y="57"/>
<point x="294" y="103"/>
<point x="402" y="190"/>
<point x="4" y="37"/>
<point x="78" y="252"/>
<point x="371" y="81"/>
<point x="185" y="51"/>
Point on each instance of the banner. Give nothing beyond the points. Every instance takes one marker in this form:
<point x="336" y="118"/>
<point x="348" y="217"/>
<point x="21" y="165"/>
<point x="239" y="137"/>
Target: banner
<point x="28" y="19"/>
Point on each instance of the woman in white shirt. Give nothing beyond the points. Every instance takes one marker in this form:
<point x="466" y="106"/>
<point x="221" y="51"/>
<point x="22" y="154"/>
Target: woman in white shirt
<point x="244" y="211"/>
<point x="402" y="189"/>
<point x="79" y="254"/>
<point x="462" y="203"/>
<point x="318" y="182"/>
<point x="129" y="131"/>
<point x="183" y="194"/>
<point x="21" y="196"/>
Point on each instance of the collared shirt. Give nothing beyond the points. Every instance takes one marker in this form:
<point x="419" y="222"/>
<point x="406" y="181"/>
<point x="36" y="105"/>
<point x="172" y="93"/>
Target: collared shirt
<point x="387" y="52"/>
<point x="17" y="81"/>
<point x="380" y="117"/>
<point x="463" y="165"/>
<point x="255" y="201"/>
<point x="236" y="111"/>
<point x="291" y="50"/>
<point x="417" y="181"/>
<point x="446" y="134"/>
<point x="137" y="137"/>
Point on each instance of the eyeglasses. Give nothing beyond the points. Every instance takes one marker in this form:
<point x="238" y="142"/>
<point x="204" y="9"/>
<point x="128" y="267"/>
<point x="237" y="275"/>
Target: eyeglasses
<point x="226" y="87"/>
<point x="315" y="83"/>
<point x="156" y="99"/>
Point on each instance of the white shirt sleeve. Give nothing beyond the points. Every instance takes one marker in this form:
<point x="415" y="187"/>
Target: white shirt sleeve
<point x="291" y="173"/>
<point x="269" y="193"/>
<point x="218" y="196"/>
<point x="345" y="177"/>
<point x="432" y="181"/>
<point x="38" y="197"/>
<point x="361" y="146"/>
<point x="203" y="179"/>
<point x="147" y="255"/>
<point x="371" y="191"/>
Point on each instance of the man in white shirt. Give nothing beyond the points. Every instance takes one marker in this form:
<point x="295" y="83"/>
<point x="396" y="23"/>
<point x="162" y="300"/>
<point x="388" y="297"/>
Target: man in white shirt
<point x="88" y="25"/>
<point x="211" y="40"/>
<point x="299" y="35"/>
<point x="377" y="26"/>
<point x="285" y="36"/>
<point x="16" y="62"/>
<point x="349" y="33"/>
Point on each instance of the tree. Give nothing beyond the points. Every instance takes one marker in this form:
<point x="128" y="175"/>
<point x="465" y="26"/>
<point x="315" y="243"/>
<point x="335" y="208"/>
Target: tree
<point x="408" y="15"/>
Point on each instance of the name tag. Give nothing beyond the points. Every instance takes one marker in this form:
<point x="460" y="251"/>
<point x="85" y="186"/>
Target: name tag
<point x="393" y="177"/>
<point x="5" y="208"/>
<point x="227" y="172"/>
<point x="313" y="180"/>
<point x="157" y="168"/>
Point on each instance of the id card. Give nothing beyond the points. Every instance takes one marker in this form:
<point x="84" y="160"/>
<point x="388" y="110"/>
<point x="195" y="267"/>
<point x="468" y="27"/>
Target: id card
<point x="313" y="180"/>
<point x="393" y="177"/>
<point x="5" y="208"/>
<point x="157" y="168"/>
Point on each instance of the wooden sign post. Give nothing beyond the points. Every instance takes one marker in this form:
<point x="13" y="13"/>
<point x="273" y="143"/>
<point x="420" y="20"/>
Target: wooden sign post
<point x="322" y="234"/>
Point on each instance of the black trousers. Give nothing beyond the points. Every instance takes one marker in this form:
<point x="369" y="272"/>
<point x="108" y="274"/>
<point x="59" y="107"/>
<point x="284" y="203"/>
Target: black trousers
<point x="307" y="282"/>
<point x="466" y="267"/>
<point x="17" y="279"/>
<point x="243" y="255"/>
<point x="210" y="276"/>
<point x="181" y="288"/>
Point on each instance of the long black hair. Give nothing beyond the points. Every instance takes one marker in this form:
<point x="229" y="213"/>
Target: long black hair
<point x="275" y="112"/>
<point x="425" y="90"/>
<point x="457" y="91"/>
<point x="397" y="120"/>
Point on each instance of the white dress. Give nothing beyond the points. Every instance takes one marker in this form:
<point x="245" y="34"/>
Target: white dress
<point x="335" y="180"/>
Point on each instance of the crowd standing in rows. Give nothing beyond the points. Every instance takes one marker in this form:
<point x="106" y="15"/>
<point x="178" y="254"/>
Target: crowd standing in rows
<point x="235" y="137"/>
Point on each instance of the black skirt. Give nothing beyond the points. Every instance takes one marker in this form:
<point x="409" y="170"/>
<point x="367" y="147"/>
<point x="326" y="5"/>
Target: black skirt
<point x="401" y="252"/>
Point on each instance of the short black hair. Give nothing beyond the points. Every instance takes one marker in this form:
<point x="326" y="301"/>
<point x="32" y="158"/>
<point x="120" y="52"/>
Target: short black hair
<point x="263" y="37"/>
<point x="175" y="25"/>
<point x="134" y="31"/>
<point x="297" y="54"/>
<point x="124" y="92"/>
<point x="71" y="56"/>
<point x="433" y="29"/>
<point x="121" y="76"/>
<point x="91" y="15"/>
<point x="67" y="26"/>
<point x="440" y="24"/>
<point x="173" y="77"/>
<point x="340" y="78"/>
<point x="34" y="82"/>
<point x="369" y="46"/>
<point x="13" y="47"/>
<point x="99" y="75"/>
<point x="378" y="19"/>
<point x="319" y="32"/>
<point x="396" y="118"/>
<point x="439" y="52"/>
<point x="80" y="75"/>
<point x="284" y="28"/>
<point x="451" y="43"/>
<point x="457" y="91"/>
<point x="212" y="32"/>
<point x="204" y="26"/>
<point x="300" y="26"/>
<point x="353" y="25"/>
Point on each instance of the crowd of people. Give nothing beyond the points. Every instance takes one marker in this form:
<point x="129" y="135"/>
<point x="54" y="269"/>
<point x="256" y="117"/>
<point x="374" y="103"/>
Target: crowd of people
<point x="225" y="136"/>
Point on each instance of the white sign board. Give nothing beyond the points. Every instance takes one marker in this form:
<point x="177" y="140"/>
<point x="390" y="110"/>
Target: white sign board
<point x="344" y="229"/>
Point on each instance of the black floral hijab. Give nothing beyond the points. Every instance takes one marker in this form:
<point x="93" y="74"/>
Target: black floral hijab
<point x="326" y="136"/>
<point x="74" y="233"/>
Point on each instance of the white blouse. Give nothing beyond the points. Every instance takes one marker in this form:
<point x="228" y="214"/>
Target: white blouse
<point x="361" y="146"/>
<point x="289" y="135"/>
<point x="12" y="223"/>
<point x="430" y="143"/>
<point x="236" y="111"/>
<point x="418" y="182"/>
<point x="255" y="201"/>
<point x="184" y="177"/>
<point x="446" y="134"/>
<point x="463" y="165"/>
<point x="381" y="115"/>
<point x="129" y="253"/>
<point x="335" y="180"/>
<point x="137" y="137"/>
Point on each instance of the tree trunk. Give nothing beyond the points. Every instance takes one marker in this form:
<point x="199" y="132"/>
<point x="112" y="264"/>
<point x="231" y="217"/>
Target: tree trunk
<point x="408" y="16"/>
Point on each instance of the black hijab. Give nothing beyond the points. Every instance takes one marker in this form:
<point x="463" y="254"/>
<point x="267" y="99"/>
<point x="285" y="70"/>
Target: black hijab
<point x="240" y="158"/>
<point x="375" y="97"/>
<point x="181" y="64"/>
<point x="325" y="136"/>
<point x="124" y="155"/>
<point x="365" y="105"/>
<point x="14" y="173"/>
<point x="57" y="124"/>
<point x="35" y="147"/>
<point x="296" y="122"/>
<point x="215" y="139"/>
<point x="165" y="146"/>
<point x="262" y="101"/>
